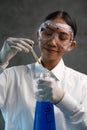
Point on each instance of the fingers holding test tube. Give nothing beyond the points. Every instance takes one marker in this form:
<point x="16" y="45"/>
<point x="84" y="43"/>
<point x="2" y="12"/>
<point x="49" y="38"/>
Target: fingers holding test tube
<point x="14" y="45"/>
<point x="20" y="44"/>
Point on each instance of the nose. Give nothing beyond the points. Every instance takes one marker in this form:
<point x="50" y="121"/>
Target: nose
<point x="54" y="39"/>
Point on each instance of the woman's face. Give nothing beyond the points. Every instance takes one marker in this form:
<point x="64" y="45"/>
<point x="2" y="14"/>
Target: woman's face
<point x="54" y="40"/>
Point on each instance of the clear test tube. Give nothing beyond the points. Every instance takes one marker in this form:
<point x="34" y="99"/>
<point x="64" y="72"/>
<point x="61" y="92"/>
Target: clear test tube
<point x="35" y="56"/>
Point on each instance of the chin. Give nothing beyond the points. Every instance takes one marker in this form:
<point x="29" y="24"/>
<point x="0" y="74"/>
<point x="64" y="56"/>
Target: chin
<point x="50" y="58"/>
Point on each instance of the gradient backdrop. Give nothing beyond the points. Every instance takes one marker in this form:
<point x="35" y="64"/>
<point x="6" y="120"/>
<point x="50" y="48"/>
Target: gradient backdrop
<point x="21" y="18"/>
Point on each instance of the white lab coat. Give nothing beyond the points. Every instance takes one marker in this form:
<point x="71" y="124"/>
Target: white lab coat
<point x="17" y="100"/>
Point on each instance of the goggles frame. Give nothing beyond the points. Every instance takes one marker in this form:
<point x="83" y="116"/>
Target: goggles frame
<point x="55" y="25"/>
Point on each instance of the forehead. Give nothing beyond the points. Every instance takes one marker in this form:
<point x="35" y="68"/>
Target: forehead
<point x="58" y="20"/>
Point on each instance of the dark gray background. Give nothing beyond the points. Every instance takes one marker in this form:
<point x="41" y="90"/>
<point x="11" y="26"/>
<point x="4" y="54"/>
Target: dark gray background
<point x="21" y="18"/>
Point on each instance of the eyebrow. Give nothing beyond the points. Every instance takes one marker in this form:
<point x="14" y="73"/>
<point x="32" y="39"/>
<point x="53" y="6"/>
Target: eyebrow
<point x="61" y="32"/>
<point x="64" y="33"/>
<point x="50" y="28"/>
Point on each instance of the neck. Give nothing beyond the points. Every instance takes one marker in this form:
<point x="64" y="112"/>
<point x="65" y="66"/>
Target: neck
<point x="49" y="64"/>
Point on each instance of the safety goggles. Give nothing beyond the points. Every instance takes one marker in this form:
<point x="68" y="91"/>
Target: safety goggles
<point x="49" y="30"/>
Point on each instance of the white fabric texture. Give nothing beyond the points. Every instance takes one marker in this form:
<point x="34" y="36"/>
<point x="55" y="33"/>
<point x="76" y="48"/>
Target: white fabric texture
<point x="17" y="99"/>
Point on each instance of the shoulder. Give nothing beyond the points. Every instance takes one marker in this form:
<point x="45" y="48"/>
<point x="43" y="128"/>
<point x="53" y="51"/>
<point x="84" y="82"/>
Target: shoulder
<point x="74" y="74"/>
<point x="16" y="69"/>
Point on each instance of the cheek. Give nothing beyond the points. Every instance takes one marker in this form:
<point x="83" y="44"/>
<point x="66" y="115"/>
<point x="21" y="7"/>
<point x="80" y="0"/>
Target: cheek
<point x="60" y="48"/>
<point x="60" y="51"/>
<point x="42" y="51"/>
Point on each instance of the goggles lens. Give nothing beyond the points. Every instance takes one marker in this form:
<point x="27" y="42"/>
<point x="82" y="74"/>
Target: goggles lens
<point x="46" y="33"/>
<point x="49" y="29"/>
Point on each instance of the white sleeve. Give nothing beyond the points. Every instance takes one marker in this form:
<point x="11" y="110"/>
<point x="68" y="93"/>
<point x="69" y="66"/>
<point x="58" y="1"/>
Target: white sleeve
<point x="1" y="70"/>
<point x="3" y="82"/>
<point x="75" y="113"/>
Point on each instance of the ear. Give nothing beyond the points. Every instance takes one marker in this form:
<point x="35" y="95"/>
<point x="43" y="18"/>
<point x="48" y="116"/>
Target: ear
<point x="37" y="35"/>
<point x="72" y="46"/>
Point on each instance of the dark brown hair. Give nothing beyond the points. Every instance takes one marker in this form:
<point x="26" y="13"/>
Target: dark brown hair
<point x="66" y="17"/>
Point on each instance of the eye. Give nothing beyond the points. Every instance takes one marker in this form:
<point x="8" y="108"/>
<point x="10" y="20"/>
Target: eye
<point x="47" y="32"/>
<point x="63" y="37"/>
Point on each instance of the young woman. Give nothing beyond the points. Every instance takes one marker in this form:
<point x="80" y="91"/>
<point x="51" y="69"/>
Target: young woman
<point x="64" y="87"/>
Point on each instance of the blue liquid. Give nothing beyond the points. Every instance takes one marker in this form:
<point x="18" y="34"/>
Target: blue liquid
<point x="44" y="116"/>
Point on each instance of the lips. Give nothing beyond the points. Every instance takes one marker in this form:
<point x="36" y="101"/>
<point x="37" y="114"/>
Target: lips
<point x="50" y="49"/>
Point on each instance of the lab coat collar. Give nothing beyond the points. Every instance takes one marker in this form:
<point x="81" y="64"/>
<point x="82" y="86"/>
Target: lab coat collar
<point x="57" y="71"/>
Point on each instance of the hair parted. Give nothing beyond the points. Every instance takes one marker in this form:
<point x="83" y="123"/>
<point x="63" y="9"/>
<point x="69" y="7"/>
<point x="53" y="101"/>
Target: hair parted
<point x="66" y="17"/>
